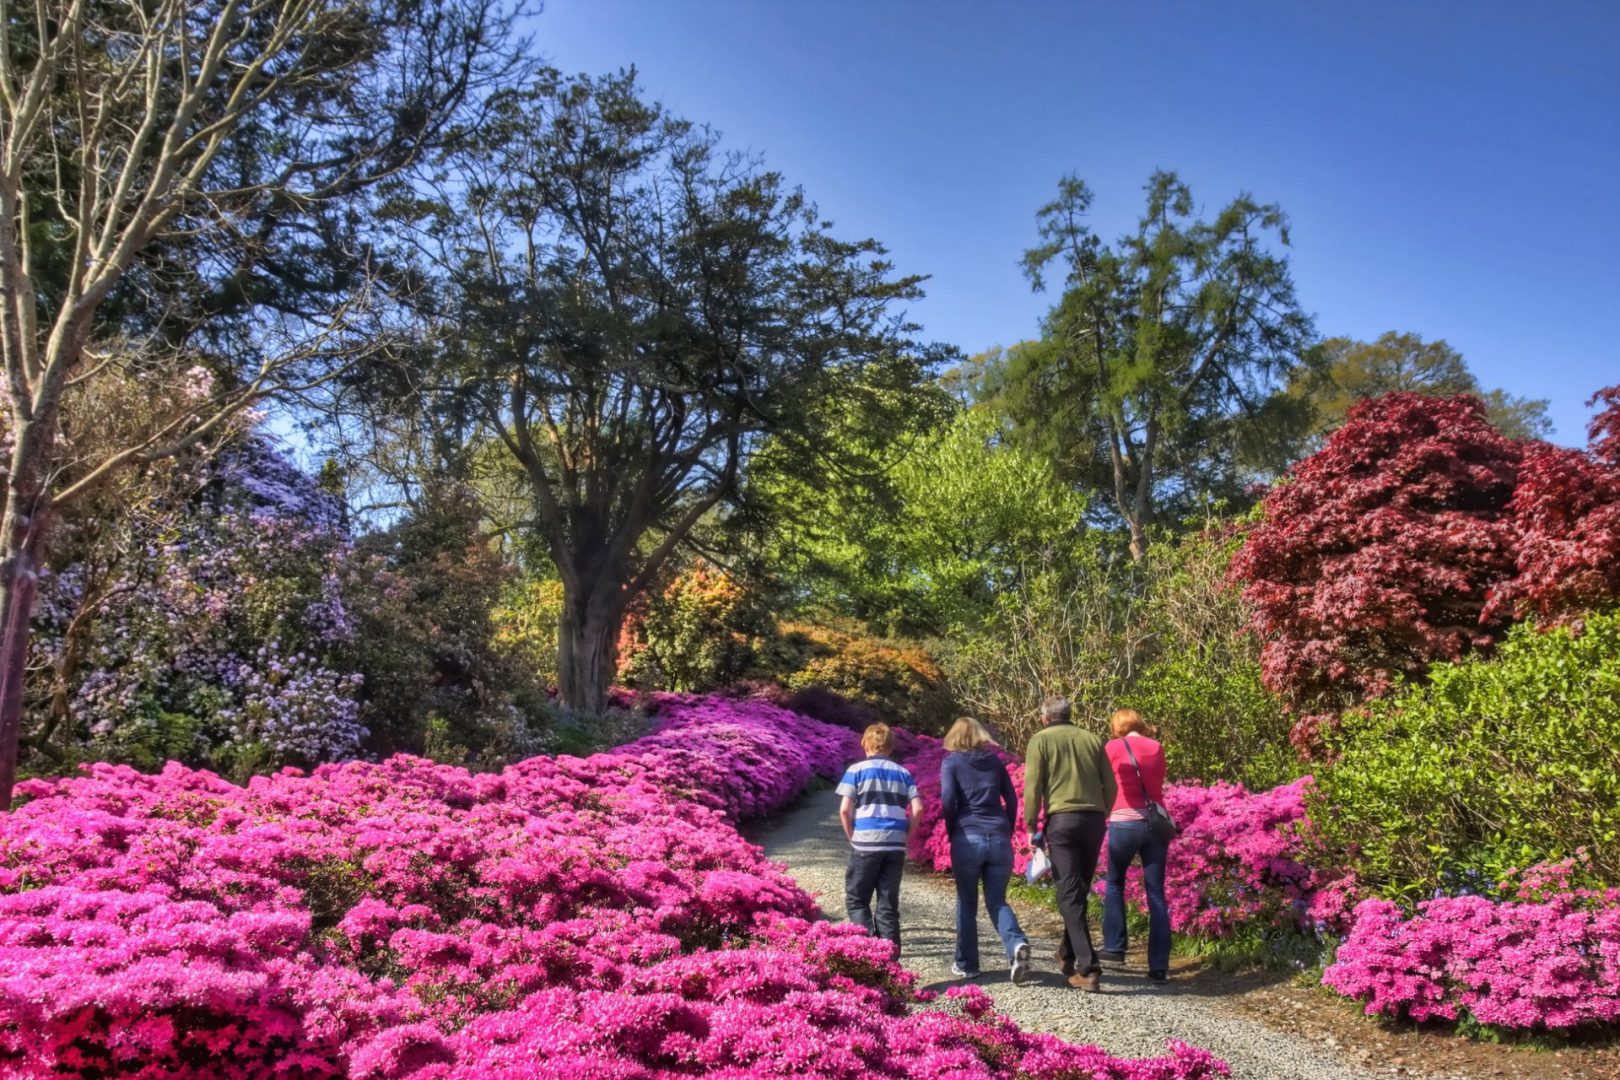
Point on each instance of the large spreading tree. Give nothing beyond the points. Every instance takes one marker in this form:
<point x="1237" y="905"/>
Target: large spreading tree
<point x="1158" y="375"/>
<point x="179" y="188"/>
<point x="628" y="311"/>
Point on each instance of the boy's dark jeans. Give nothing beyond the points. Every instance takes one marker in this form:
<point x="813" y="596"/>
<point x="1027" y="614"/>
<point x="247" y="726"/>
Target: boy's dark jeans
<point x="877" y="872"/>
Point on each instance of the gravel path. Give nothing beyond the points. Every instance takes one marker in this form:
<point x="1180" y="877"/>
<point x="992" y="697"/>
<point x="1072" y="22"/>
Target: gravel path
<point x="1131" y="1018"/>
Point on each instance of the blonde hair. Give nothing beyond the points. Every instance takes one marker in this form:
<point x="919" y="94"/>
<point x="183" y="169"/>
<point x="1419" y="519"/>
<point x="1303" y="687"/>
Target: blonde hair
<point x="877" y="740"/>
<point x="967" y="734"/>
<point x="1125" y="721"/>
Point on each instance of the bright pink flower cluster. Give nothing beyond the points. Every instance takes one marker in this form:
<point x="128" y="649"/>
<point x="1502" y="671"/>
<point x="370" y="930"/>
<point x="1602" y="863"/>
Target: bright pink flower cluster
<point x="1549" y="964"/>
<point x="564" y="918"/>
<point x="1238" y="860"/>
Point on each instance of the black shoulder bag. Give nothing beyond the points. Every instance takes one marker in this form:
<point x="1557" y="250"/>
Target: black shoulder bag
<point x="1158" y="818"/>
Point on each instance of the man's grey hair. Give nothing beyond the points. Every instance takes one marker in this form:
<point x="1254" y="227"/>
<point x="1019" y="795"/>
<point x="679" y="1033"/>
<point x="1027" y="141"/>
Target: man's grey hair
<point x="1055" y="710"/>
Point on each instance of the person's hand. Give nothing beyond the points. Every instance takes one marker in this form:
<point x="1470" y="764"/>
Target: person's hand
<point x="1037" y="839"/>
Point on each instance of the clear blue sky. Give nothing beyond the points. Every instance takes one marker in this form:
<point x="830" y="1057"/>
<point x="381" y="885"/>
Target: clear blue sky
<point x="1449" y="168"/>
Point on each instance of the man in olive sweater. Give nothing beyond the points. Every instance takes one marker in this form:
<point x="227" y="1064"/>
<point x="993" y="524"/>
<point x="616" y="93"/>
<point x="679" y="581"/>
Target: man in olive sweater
<point x="1067" y="774"/>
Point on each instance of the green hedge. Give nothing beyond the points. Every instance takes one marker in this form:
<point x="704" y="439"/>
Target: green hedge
<point x="1497" y="762"/>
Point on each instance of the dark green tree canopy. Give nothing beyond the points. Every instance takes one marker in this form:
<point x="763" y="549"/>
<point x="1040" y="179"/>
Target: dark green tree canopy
<point x="629" y="310"/>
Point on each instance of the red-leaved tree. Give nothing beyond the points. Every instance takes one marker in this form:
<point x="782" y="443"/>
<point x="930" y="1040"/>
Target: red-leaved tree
<point x="1377" y="556"/>
<point x="1566" y="512"/>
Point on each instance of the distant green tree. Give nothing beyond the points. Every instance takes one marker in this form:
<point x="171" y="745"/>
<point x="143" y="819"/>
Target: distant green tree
<point x="958" y="518"/>
<point x="1341" y="371"/>
<point x="1158" y="374"/>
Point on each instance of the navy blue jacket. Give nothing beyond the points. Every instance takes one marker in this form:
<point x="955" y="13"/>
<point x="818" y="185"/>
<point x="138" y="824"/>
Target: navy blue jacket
<point x="976" y="793"/>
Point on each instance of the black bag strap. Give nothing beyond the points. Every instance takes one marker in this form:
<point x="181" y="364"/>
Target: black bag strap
<point x="1140" y="782"/>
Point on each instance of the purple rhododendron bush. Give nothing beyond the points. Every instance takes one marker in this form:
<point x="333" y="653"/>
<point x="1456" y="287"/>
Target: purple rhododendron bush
<point x="1541" y="956"/>
<point x="567" y="917"/>
<point x="1240" y="859"/>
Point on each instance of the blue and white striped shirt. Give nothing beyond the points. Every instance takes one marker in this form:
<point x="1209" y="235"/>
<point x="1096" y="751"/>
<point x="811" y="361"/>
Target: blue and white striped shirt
<point x="882" y="789"/>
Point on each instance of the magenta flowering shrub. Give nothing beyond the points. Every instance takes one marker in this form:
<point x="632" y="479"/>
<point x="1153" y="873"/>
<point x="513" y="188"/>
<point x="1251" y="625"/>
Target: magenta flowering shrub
<point x="1238" y="862"/>
<point x="1520" y="965"/>
<point x="567" y="917"/>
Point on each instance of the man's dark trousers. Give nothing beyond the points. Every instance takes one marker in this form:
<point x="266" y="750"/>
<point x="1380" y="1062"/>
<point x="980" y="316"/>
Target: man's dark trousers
<point x="1074" y="840"/>
<point x="877" y="872"/>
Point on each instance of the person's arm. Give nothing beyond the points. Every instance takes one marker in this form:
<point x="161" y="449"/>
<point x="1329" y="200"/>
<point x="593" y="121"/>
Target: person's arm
<point x="846" y="814"/>
<point x="950" y="796"/>
<point x="1009" y="798"/>
<point x="915" y="809"/>
<point x="1110" y="786"/>
<point x="1034" y="784"/>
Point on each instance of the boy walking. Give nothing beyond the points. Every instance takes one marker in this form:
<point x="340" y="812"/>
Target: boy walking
<point x="879" y="811"/>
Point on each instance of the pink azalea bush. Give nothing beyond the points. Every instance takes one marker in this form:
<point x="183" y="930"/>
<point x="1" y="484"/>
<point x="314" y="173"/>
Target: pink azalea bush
<point x="566" y="917"/>
<point x="1542" y="956"/>
<point x="1239" y="860"/>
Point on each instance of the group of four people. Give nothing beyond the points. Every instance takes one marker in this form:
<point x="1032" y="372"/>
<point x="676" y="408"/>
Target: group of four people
<point x="1090" y="791"/>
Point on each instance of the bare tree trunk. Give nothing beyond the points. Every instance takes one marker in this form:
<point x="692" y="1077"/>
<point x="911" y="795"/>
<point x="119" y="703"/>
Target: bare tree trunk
<point x="19" y="580"/>
<point x="588" y="649"/>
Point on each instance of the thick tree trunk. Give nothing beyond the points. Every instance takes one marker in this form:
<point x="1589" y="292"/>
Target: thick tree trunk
<point x="19" y="579"/>
<point x="588" y="651"/>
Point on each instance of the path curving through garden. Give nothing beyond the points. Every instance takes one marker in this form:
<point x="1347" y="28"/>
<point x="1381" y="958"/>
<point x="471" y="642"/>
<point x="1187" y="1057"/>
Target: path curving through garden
<point x="1132" y="1018"/>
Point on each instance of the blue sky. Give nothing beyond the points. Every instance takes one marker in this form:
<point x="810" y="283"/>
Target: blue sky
<point x="1448" y="169"/>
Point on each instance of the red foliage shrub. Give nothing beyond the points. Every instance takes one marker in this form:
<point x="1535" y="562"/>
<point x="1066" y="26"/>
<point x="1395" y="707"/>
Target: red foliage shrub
<point x="1567" y="515"/>
<point x="1377" y="556"/>
<point x="1418" y="533"/>
<point x="1603" y="434"/>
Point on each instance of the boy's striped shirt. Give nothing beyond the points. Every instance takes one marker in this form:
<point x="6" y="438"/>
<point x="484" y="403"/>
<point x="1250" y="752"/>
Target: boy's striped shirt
<point x="882" y="789"/>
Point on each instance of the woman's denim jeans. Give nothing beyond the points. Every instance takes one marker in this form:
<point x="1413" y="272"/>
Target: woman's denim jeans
<point x="988" y="858"/>
<point x="1127" y="840"/>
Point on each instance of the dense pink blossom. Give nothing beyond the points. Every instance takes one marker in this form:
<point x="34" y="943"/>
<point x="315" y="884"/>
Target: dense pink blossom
<point x="1545" y="964"/>
<point x="566" y="917"/>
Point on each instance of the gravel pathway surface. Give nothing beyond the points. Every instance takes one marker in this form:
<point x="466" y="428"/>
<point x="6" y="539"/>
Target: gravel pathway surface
<point x="1131" y="1018"/>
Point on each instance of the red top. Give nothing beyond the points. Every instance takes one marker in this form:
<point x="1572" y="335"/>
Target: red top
<point x="1150" y="758"/>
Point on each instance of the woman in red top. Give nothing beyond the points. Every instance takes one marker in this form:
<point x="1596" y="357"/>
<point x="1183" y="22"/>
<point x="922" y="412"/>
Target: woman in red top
<point x="1129" y="836"/>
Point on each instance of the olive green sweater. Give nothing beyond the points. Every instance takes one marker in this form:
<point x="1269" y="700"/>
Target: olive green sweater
<point x="1066" y="769"/>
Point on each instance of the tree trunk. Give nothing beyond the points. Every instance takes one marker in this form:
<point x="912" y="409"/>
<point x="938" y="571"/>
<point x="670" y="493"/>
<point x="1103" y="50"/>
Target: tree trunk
<point x="587" y="651"/>
<point x="19" y="580"/>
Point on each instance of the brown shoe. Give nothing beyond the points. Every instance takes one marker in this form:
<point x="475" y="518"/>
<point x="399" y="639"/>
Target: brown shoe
<point x="1065" y="966"/>
<point x="1091" y="984"/>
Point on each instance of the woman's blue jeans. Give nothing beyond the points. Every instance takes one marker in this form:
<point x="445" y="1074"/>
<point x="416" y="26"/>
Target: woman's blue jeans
<point x="1127" y="840"/>
<point x="982" y="858"/>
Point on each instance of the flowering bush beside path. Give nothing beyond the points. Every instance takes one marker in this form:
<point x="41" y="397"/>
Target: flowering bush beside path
<point x="567" y="917"/>
<point x="1544" y="957"/>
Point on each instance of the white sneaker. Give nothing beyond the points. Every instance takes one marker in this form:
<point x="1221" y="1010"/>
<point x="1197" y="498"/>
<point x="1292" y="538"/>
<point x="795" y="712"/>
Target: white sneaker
<point x="956" y="969"/>
<point x="1020" y="965"/>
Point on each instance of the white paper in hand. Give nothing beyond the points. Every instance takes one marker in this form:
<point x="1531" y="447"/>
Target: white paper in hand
<point x="1039" y="867"/>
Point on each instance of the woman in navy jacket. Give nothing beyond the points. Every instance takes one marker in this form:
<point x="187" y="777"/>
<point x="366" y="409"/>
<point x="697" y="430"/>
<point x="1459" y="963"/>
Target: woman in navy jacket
<point x="981" y="809"/>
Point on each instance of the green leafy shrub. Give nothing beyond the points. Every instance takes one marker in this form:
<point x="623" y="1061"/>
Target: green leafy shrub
<point x="526" y="622"/>
<point x="1493" y="764"/>
<point x="438" y="679"/>
<point x="700" y="632"/>
<point x="1200" y="682"/>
